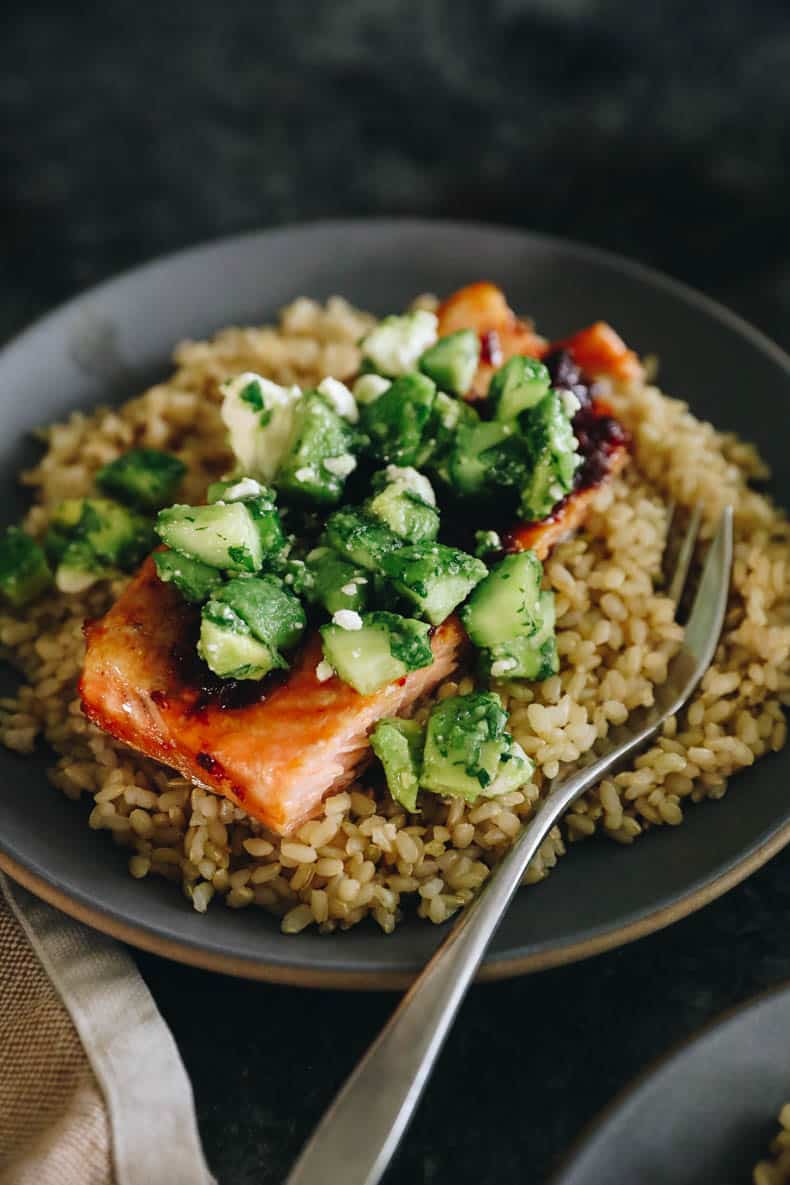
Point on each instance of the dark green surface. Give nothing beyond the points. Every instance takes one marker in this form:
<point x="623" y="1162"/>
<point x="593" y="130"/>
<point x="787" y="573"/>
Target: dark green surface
<point x="660" y="131"/>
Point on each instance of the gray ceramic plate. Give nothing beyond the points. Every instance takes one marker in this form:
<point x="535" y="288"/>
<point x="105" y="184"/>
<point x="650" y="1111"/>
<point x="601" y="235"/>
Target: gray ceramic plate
<point x="706" y="1113"/>
<point x="112" y="341"/>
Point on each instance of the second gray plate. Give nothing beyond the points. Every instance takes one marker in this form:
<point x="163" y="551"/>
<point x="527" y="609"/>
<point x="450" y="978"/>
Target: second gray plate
<point x="706" y="1113"/>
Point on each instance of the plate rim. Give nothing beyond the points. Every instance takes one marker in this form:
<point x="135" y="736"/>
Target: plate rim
<point x="628" y="1093"/>
<point x="150" y="939"/>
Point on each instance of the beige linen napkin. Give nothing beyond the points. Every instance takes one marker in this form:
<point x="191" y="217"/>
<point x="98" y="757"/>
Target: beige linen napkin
<point x="92" y="1088"/>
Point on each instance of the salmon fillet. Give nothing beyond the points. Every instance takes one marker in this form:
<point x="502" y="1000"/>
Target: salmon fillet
<point x="276" y="754"/>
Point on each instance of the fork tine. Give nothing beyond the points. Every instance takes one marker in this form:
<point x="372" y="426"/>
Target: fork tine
<point x="710" y="604"/>
<point x="685" y="553"/>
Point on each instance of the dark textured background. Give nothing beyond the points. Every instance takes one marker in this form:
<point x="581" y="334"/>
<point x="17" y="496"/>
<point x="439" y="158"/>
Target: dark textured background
<point x="658" y="129"/>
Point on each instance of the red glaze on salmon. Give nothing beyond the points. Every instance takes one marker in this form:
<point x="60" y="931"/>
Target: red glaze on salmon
<point x="279" y="749"/>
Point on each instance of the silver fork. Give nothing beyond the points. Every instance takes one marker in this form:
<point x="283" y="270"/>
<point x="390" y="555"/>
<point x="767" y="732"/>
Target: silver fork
<point x="354" y="1142"/>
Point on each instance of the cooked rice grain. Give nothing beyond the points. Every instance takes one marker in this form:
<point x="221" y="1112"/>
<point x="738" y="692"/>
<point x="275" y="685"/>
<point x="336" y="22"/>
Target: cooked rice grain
<point x="616" y="636"/>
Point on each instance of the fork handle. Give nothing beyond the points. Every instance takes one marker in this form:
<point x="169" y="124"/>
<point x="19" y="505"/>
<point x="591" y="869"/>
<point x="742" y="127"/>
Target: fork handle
<point x="355" y="1140"/>
<point x="360" y="1132"/>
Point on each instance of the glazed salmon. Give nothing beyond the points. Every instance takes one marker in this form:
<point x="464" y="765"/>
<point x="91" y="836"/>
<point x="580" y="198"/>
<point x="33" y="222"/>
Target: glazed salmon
<point x="598" y="349"/>
<point x="276" y="753"/>
<point x="542" y="537"/>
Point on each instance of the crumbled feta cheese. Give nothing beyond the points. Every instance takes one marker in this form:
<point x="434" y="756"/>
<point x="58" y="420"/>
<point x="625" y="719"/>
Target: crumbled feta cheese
<point x="259" y="416"/>
<point x="324" y="671"/>
<point x="341" y="466"/>
<point x="556" y="491"/>
<point x="350" y="589"/>
<point x="368" y="387"/>
<point x="341" y="398"/>
<point x="395" y="344"/>
<point x="316" y="554"/>
<point x="306" y="473"/>
<point x="412" y="480"/>
<point x="248" y="487"/>
<point x="347" y="619"/>
<point x="570" y="403"/>
<point x="502" y="666"/>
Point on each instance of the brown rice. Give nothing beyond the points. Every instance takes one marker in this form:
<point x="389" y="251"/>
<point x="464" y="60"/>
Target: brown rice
<point x="616" y="635"/>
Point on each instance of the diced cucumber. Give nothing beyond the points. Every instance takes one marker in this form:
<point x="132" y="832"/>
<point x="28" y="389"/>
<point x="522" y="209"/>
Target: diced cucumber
<point x="521" y="658"/>
<point x="195" y="580"/>
<point x="89" y="538"/>
<point x="515" y="769"/>
<point x="395" y="423"/>
<point x="146" y="478"/>
<point x="432" y="576"/>
<point x="532" y="657"/>
<point x="260" y="500"/>
<point x="385" y="648"/>
<point x="505" y="604"/>
<point x="259" y="416"/>
<point x="447" y="414"/>
<point x="291" y="572"/>
<point x="553" y="457"/>
<point x="465" y="742"/>
<point x="24" y="571"/>
<point x="241" y="489"/>
<point x="394" y="345"/>
<point x="79" y="569"/>
<point x="398" y="744"/>
<point x="361" y="539"/>
<point x="452" y="362"/>
<point x="228" y="648"/>
<point x="337" y="584"/>
<point x="520" y="383"/>
<point x="318" y="458"/>
<point x="224" y="534"/>
<point x="487" y="543"/>
<point x="272" y="613"/>
<point x="403" y="506"/>
<point x="408" y="478"/>
<point x="485" y="456"/>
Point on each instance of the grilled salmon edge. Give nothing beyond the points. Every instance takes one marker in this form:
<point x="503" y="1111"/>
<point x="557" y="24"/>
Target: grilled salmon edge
<point x="542" y="537"/>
